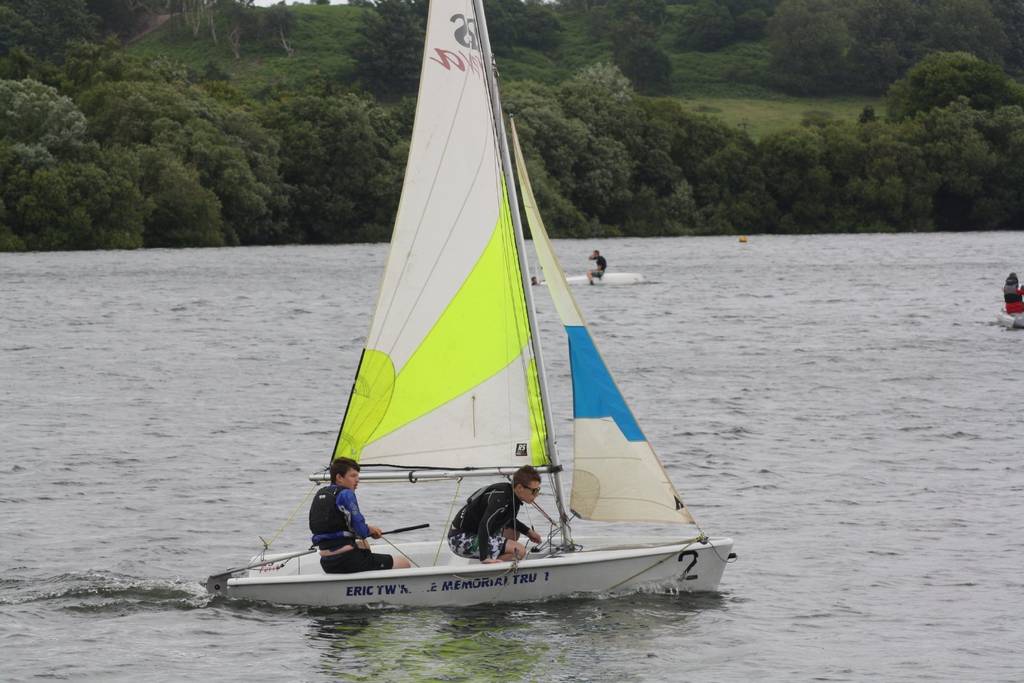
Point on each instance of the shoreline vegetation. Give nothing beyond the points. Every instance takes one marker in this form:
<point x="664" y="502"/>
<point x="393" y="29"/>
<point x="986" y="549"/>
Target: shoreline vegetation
<point x="185" y="123"/>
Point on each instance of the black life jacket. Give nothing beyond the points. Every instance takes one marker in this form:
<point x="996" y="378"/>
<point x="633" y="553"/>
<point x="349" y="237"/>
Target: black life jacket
<point x="1011" y="294"/>
<point x="324" y="515"/>
<point x="468" y="518"/>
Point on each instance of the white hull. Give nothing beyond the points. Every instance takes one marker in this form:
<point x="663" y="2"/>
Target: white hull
<point x="605" y="569"/>
<point x="1011" y="320"/>
<point x="608" y="279"/>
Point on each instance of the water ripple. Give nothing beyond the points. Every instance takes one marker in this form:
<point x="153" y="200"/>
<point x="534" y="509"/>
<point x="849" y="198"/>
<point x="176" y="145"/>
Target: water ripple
<point x="161" y="409"/>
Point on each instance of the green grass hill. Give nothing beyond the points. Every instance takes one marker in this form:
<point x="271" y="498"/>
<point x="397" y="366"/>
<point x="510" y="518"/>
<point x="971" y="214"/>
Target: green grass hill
<point x="721" y="84"/>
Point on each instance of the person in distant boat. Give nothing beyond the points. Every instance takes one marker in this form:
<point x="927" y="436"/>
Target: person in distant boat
<point x="534" y="281"/>
<point x="486" y="527"/>
<point x="601" y="265"/>
<point x="339" y="528"/>
<point x="1013" y="295"/>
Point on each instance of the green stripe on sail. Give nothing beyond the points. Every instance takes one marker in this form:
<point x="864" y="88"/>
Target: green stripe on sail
<point x="371" y="395"/>
<point x="538" y="432"/>
<point x="483" y="329"/>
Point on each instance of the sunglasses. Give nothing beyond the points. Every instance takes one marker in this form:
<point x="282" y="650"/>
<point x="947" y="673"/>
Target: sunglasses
<point x="535" y="491"/>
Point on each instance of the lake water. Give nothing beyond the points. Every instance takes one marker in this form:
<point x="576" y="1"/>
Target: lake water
<point x="843" y="406"/>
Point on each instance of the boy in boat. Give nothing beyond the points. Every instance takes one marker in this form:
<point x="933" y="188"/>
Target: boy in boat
<point x="601" y="265"/>
<point x="339" y="528"/>
<point x="1013" y="295"/>
<point x="486" y="527"/>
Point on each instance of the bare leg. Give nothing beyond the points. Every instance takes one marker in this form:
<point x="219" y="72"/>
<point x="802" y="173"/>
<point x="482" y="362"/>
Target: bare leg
<point x="513" y="550"/>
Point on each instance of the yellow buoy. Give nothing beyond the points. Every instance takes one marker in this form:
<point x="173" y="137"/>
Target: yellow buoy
<point x="743" y="239"/>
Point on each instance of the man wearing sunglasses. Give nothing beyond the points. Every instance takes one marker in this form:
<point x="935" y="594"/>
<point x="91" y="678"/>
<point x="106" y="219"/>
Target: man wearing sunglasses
<point x="486" y="527"/>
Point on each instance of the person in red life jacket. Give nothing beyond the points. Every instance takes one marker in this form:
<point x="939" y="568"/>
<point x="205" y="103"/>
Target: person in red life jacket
<point x="1013" y="295"/>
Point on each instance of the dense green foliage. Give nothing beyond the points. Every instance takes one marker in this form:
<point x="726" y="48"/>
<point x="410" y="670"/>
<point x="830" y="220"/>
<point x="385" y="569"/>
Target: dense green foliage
<point x="106" y="148"/>
<point x="343" y="161"/>
<point x="45" y="26"/>
<point x="943" y="77"/>
<point x="390" y="48"/>
<point x="823" y="46"/>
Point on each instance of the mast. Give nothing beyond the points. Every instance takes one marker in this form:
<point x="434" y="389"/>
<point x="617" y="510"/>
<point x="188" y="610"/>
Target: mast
<point x="524" y="271"/>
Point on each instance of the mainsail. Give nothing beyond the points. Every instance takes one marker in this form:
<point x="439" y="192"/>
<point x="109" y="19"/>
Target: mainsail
<point x="448" y="378"/>
<point x="617" y="476"/>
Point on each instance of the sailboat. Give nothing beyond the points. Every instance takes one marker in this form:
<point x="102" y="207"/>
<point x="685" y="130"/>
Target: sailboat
<point x="1010" y="320"/>
<point x="451" y="383"/>
<point x="608" y="279"/>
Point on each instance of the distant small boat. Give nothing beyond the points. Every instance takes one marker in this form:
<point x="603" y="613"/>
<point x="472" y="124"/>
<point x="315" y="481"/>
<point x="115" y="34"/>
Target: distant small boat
<point x="608" y="279"/>
<point x="1011" y="320"/>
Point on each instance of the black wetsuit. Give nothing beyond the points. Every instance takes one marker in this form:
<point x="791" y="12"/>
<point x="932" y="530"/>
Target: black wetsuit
<point x="488" y="512"/>
<point x="601" y="263"/>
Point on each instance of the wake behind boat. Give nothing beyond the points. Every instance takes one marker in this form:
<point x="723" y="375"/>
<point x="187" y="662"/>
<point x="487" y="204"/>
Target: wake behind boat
<point x="451" y="384"/>
<point x="608" y="279"/>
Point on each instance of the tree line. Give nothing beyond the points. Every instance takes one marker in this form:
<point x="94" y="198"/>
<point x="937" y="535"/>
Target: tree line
<point x="823" y="46"/>
<point x="109" y="151"/>
<point x="815" y="47"/>
<point x="103" y="149"/>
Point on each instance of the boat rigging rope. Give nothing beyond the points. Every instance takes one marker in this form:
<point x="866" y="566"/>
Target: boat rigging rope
<point x="711" y="545"/>
<point x="664" y="559"/>
<point x="546" y="515"/>
<point x="630" y="578"/>
<point x="553" y="529"/>
<point x="291" y="517"/>
<point x="411" y="561"/>
<point x="448" y="521"/>
<point x="512" y="569"/>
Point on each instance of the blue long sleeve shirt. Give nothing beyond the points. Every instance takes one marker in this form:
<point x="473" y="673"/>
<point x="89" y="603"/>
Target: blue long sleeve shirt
<point x="346" y="502"/>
